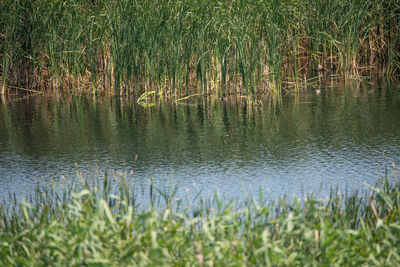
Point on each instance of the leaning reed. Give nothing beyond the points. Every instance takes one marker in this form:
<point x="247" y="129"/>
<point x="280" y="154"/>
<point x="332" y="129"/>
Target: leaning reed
<point x="88" y="225"/>
<point x="185" y="47"/>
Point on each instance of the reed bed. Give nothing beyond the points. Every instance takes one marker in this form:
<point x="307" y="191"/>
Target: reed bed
<point x="99" y="223"/>
<point x="179" y="48"/>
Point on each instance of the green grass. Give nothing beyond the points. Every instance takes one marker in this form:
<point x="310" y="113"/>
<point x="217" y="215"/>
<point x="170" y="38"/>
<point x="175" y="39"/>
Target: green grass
<point x="186" y="47"/>
<point x="99" y="223"/>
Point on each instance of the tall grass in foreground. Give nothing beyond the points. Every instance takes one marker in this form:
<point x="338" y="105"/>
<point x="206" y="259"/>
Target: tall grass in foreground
<point x="89" y="225"/>
<point x="185" y="47"/>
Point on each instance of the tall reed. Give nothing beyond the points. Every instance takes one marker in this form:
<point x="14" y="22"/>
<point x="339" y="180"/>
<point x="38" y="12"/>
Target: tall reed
<point x="185" y="47"/>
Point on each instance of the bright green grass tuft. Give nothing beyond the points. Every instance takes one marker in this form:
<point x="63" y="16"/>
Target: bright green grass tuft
<point x="90" y="226"/>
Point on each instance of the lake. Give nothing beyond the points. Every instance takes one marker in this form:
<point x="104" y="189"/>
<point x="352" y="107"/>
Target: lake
<point x="341" y="137"/>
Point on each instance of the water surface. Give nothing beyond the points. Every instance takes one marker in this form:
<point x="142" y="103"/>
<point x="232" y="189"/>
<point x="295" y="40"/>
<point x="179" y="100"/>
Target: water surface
<point x="343" y="138"/>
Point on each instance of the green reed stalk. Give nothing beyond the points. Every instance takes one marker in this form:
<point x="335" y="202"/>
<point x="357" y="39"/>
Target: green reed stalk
<point x="128" y="47"/>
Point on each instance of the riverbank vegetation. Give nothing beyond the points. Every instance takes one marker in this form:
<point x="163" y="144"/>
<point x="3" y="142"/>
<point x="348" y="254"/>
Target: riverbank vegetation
<point x="99" y="223"/>
<point x="179" y="48"/>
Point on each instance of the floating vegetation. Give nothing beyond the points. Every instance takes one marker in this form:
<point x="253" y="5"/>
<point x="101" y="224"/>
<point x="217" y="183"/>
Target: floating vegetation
<point x="180" y="48"/>
<point x="98" y="223"/>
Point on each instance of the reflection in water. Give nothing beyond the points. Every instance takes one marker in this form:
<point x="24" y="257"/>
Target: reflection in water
<point x="340" y="137"/>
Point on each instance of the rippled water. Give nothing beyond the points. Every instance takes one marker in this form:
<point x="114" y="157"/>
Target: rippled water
<point x="345" y="137"/>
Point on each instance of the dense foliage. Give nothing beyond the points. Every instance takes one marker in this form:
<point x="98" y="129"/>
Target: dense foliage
<point x="86" y="225"/>
<point x="180" y="47"/>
